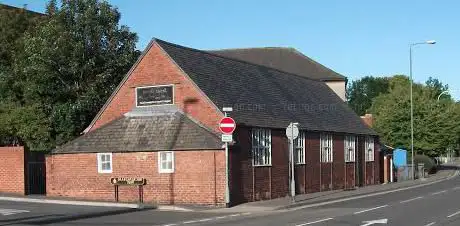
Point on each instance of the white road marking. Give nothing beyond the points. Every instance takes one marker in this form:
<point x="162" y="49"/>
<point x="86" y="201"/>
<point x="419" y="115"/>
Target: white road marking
<point x="205" y="219"/>
<point x="453" y="214"/>
<point x="7" y="212"/>
<point x="456" y="188"/>
<point x="378" y="207"/>
<point x="208" y="219"/>
<point x="430" y="224"/>
<point x="373" y="194"/>
<point x="439" y="192"/>
<point x="314" y="222"/>
<point x="409" y="200"/>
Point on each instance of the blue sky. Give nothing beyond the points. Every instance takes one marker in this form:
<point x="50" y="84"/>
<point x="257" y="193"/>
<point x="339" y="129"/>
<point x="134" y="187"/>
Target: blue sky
<point x="354" y="38"/>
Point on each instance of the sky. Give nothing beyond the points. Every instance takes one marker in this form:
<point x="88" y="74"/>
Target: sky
<point x="355" y="38"/>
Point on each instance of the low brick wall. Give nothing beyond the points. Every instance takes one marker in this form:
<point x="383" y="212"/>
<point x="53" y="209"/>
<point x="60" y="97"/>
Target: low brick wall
<point x="12" y="170"/>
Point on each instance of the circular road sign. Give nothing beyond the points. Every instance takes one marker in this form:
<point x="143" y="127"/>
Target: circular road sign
<point x="227" y="125"/>
<point x="292" y="131"/>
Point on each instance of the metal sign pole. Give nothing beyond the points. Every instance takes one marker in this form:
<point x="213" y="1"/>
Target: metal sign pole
<point x="292" y="168"/>
<point x="227" y="189"/>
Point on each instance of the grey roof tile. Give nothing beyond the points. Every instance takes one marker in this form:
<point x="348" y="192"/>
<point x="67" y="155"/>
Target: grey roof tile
<point x="145" y="132"/>
<point x="284" y="59"/>
<point x="266" y="97"/>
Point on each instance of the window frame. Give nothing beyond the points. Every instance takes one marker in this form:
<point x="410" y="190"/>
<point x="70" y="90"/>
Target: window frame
<point x="100" y="162"/>
<point x="262" y="146"/>
<point x="326" y="138"/>
<point x="299" y="147"/>
<point x="160" y="162"/>
<point x="350" y="143"/>
<point x="370" y="150"/>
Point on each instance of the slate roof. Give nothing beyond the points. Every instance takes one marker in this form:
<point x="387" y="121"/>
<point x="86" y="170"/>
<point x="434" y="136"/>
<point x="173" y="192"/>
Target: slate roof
<point x="19" y="10"/>
<point x="145" y="129"/>
<point x="266" y="97"/>
<point x="284" y="59"/>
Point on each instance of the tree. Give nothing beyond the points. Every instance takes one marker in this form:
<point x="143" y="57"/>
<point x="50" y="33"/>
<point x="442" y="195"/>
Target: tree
<point x="67" y="68"/>
<point x="14" y="23"/>
<point x="436" y="124"/>
<point x="361" y="92"/>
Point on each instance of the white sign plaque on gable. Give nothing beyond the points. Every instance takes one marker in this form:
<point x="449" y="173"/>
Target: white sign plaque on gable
<point x="154" y="95"/>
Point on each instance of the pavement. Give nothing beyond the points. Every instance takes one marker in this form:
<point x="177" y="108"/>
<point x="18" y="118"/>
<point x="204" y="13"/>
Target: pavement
<point x="433" y="201"/>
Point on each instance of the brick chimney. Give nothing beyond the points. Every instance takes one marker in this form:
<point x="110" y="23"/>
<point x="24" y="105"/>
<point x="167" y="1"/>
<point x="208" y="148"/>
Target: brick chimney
<point x="368" y="119"/>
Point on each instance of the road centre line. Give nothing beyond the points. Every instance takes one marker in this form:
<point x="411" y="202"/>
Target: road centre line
<point x="430" y="224"/>
<point x="409" y="200"/>
<point x="314" y="222"/>
<point x="378" y="207"/>
<point x="458" y="212"/>
<point x="456" y="188"/>
<point x="439" y="192"/>
<point x="208" y="219"/>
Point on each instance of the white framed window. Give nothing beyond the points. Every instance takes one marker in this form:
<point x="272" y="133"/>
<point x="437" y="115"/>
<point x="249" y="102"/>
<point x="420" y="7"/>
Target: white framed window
<point x="369" y="144"/>
<point x="261" y="147"/>
<point x="326" y="147"/>
<point x="299" y="149"/>
<point x="104" y="162"/>
<point x="350" y="148"/>
<point x="166" y="162"/>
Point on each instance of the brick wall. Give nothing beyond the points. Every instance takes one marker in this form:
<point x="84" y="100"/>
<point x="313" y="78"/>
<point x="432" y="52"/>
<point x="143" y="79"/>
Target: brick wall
<point x="12" y="170"/>
<point x="156" y="68"/>
<point x="199" y="177"/>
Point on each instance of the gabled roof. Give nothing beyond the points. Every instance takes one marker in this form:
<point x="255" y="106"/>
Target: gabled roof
<point x="145" y="129"/>
<point x="260" y="96"/>
<point x="265" y="97"/>
<point x="284" y="59"/>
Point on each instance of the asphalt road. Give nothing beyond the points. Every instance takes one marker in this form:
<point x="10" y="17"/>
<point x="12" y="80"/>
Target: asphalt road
<point x="436" y="204"/>
<point x="22" y="213"/>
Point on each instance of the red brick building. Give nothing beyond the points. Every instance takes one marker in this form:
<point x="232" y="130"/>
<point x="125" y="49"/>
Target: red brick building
<point x="161" y="123"/>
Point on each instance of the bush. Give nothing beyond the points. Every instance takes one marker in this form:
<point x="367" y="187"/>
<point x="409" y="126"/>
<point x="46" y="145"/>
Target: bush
<point x="429" y="163"/>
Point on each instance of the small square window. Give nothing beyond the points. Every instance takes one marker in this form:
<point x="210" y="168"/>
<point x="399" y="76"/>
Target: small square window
<point x="104" y="162"/>
<point x="166" y="162"/>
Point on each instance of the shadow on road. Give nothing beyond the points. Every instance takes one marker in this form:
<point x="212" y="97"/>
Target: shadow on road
<point x="53" y="219"/>
<point x="23" y="219"/>
<point x="448" y="167"/>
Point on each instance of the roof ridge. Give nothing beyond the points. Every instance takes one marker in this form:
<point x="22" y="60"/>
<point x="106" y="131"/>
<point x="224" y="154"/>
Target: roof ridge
<point x="315" y="62"/>
<point x="10" y="7"/>
<point x="236" y="60"/>
<point x="249" y="48"/>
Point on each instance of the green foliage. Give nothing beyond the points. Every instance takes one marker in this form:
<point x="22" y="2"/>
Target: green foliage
<point x="360" y="93"/>
<point x="428" y="163"/>
<point x="436" y="124"/>
<point x="64" y="70"/>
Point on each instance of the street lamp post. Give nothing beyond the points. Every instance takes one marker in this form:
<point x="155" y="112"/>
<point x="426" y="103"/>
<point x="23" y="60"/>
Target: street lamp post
<point x="443" y="92"/>
<point x="412" y="104"/>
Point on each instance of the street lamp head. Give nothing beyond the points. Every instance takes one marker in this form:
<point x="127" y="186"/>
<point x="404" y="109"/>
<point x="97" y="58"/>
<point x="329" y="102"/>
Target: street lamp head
<point x="431" y="42"/>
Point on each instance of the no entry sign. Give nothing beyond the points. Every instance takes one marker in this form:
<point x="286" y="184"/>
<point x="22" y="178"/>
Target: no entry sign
<point x="227" y="125"/>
